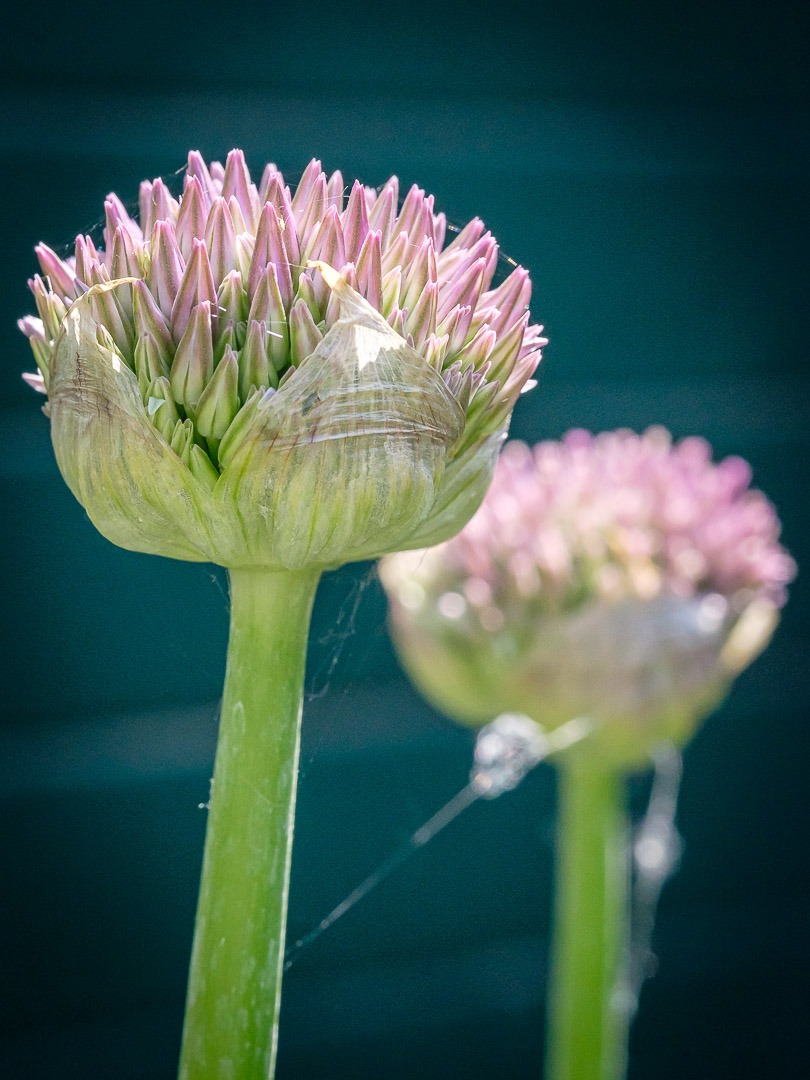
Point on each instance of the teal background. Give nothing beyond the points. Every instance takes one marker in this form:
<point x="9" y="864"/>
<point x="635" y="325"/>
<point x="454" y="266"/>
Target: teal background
<point x="650" y="168"/>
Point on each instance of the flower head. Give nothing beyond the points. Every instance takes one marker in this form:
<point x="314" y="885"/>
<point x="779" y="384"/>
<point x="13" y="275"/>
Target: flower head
<point x="258" y="377"/>
<point x="616" y="576"/>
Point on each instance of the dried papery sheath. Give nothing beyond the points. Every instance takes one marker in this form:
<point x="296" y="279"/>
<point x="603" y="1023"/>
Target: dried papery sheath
<point x="617" y="577"/>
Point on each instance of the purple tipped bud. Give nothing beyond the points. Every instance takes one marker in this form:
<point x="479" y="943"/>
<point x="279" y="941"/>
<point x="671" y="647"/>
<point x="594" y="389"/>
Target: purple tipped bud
<point x="512" y="296"/>
<point x="270" y="249"/>
<point x="150" y="363"/>
<point x="476" y="353"/>
<point x="35" y="381"/>
<point x="369" y="269"/>
<point x="334" y="190"/>
<point x="156" y="204"/>
<point x="197" y="168"/>
<point x="390" y="290"/>
<point x="33" y="328"/>
<point x="435" y="351"/>
<point x="355" y="222"/>
<point x="411" y="212"/>
<point x="196" y="287"/>
<point x="230" y="335"/>
<point x="456" y="326"/>
<point x="244" y="254"/>
<point x="329" y="247"/>
<point x="460" y="382"/>
<point x="398" y="253"/>
<point x="149" y="320"/>
<point x="219" y="401"/>
<point x="485" y="249"/>
<point x="382" y="214"/>
<point x="267" y="306"/>
<point x="333" y="304"/>
<point x="115" y="214"/>
<point x="166" y="267"/>
<point x="237" y="217"/>
<point x="231" y="299"/>
<point x="270" y="170"/>
<point x="61" y="277"/>
<point x="237" y="183"/>
<point x="255" y="367"/>
<point x="99" y="274"/>
<point x="51" y="307"/>
<point x="507" y="349"/>
<point x="304" y="334"/>
<point x="328" y="243"/>
<point x="192" y="216"/>
<point x="112" y="311"/>
<point x="145" y="209"/>
<point x="193" y="363"/>
<point x="416" y="275"/>
<point x="465" y="290"/>
<point x="40" y="346"/>
<point x="124" y="262"/>
<point x="309" y="178"/>
<point x="533" y="338"/>
<point x="439" y="231"/>
<point x="306" y="294"/>
<point x="421" y="321"/>
<point x="312" y="211"/>
<point x="220" y="240"/>
<point x="279" y="197"/>
<point x="471" y="232"/>
<point x="86" y="259"/>
<point x="161" y="407"/>
<point x="396" y="320"/>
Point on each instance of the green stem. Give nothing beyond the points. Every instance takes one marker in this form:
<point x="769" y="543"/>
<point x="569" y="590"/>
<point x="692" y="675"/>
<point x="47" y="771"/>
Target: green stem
<point x="587" y="1036"/>
<point x="234" y="989"/>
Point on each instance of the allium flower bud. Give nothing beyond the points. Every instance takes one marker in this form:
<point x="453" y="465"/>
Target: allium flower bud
<point x="617" y="577"/>
<point x="256" y="377"/>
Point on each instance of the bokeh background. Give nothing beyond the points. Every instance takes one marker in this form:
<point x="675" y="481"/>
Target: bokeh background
<point x="650" y="166"/>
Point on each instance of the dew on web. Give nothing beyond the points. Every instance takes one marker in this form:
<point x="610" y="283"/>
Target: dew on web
<point x="506" y="750"/>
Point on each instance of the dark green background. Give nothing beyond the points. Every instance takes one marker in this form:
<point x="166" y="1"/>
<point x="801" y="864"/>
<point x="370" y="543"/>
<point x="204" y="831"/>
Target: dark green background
<point x="651" y="169"/>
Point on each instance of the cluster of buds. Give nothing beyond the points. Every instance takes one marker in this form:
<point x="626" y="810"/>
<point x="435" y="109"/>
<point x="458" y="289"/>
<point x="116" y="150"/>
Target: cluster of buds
<point x="241" y="323"/>
<point x="619" y="577"/>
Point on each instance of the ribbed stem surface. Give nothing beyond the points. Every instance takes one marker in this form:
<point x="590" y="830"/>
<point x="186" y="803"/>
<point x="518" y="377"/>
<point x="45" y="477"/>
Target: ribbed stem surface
<point x="234" y="990"/>
<point x="587" y="1032"/>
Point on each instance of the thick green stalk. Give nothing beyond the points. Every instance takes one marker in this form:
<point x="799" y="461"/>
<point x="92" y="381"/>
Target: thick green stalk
<point x="234" y="989"/>
<point x="587" y="1031"/>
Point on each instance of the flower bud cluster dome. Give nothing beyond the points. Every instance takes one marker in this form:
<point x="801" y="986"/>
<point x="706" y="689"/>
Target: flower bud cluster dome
<point x="210" y="306"/>
<point x="611" y="575"/>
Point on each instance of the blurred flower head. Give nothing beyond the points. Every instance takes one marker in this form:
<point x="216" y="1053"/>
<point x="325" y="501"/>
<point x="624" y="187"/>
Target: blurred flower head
<point x="616" y="576"/>
<point x="248" y="375"/>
